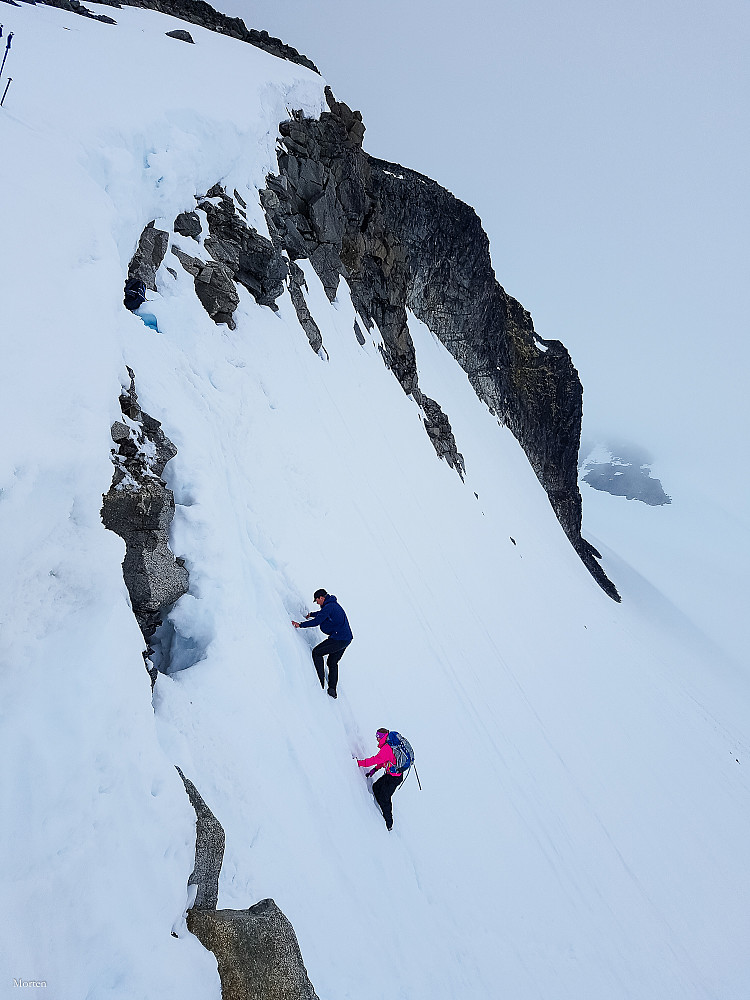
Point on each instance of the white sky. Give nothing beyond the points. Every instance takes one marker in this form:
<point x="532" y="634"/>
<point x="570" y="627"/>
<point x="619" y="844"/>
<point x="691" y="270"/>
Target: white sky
<point x="604" y="145"/>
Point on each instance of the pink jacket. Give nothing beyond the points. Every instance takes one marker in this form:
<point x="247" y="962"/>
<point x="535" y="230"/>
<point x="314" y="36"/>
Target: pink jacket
<point x="383" y="758"/>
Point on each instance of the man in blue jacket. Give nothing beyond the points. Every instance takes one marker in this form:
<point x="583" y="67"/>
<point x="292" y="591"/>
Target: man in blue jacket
<point x="333" y="621"/>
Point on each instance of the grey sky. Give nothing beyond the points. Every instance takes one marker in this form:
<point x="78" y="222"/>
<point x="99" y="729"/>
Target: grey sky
<point x="604" y="145"/>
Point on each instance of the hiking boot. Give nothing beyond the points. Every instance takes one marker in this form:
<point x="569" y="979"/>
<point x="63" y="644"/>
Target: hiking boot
<point x="332" y="693"/>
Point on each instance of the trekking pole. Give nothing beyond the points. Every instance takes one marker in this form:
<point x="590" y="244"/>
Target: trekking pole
<point x="406" y="775"/>
<point x="10" y="80"/>
<point x="7" y="50"/>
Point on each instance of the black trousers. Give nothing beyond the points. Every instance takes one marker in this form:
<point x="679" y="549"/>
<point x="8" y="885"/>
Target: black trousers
<point x="383" y="790"/>
<point x="334" y="650"/>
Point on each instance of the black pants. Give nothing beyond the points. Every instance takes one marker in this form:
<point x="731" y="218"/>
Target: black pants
<point x="383" y="790"/>
<point x="334" y="650"/>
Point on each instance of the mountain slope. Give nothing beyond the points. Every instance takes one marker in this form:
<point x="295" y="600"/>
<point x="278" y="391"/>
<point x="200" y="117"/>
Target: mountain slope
<point x="581" y="828"/>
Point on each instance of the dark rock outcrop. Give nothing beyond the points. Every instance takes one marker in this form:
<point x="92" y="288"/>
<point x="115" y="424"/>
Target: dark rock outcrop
<point x="319" y="209"/>
<point x="402" y="241"/>
<point x="151" y="250"/>
<point x="188" y="224"/>
<point x="240" y="254"/>
<point x="214" y="286"/>
<point x="139" y="508"/>
<point x="209" y="850"/>
<point x="256" y="950"/>
<point x="439" y="432"/>
<point x="251" y="259"/>
<point x="180" y="35"/>
<point x="529" y="383"/>
<point x="322" y="208"/>
<point x="296" y="284"/>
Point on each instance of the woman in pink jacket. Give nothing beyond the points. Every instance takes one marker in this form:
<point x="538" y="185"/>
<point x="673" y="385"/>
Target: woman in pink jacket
<point x="386" y="785"/>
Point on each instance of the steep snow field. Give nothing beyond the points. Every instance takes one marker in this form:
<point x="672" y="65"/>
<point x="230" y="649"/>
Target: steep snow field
<point x="581" y="832"/>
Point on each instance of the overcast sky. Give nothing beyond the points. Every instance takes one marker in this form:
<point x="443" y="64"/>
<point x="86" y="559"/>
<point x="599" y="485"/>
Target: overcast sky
<point x="605" y="147"/>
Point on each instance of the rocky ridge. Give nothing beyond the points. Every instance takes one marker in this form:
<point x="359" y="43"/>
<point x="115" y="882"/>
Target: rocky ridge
<point x="210" y="841"/>
<point x="256" y="949"/>
<point x="139" y="508"/>
<point x="194" y="12"/>
<point x="401" y="242"/>
<point x="257" y="952"/>
<point x="239" y="255"/>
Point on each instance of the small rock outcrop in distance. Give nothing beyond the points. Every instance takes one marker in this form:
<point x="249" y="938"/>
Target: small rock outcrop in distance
<point x="623" y="470"/>
<point x="139" y="508"/>
<point x="257" y="952"/>
<point x="209" y="850"/>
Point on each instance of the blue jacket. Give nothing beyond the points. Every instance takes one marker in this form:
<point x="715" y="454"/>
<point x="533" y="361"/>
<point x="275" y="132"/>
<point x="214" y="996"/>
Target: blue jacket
<point x="332" y="620"/>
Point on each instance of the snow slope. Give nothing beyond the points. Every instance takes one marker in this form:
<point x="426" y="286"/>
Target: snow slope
<point x="582" y="827"/>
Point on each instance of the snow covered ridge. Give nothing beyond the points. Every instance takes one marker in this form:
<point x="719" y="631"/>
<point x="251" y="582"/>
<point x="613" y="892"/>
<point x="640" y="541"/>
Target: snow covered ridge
<point x="194" y="12"/>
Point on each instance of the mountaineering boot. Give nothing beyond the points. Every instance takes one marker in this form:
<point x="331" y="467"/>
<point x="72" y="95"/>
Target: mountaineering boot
<point x="332" y="693"/>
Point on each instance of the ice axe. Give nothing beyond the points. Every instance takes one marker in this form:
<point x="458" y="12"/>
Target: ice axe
<point x="7" y="50"/>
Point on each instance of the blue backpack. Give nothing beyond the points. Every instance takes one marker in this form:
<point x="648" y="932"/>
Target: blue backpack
<point x="402" y="751"/>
